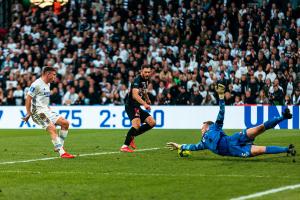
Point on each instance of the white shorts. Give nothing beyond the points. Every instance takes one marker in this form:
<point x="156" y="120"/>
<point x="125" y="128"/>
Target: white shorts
<point x="45" y="118"/>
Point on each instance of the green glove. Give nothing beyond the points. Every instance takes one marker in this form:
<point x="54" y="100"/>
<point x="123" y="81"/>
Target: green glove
<point x="220" y="89"/>
<point x="184" y="153"/>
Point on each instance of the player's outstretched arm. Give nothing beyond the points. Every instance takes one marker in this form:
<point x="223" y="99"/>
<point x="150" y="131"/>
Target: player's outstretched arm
<point x="193" y="147"/>
<point x="220" y="89"/>
<point x="190" y="147"/>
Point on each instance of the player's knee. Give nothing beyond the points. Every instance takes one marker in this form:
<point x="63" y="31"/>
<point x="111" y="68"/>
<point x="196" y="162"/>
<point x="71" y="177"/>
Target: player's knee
<point x="51" y="128"/>
<point x="152" y="123"/>
<point x="65" y="124"/>
<point x="136" y="126"/>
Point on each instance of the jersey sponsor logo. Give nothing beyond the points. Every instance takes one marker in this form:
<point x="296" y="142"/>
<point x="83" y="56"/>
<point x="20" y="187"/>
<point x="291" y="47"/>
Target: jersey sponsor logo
<point x="47" y="94"/>
<point x="144" y="84"/>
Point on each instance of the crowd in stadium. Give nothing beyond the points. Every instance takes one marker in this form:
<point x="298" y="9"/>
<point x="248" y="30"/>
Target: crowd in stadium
<point x="98" y="47"/>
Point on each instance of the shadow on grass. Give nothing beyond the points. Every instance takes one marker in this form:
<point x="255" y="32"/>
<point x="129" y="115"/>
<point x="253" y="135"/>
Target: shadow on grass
<point x="273" y="159"/>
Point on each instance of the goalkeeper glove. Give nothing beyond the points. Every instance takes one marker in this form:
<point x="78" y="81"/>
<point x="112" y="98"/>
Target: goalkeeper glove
<point x="220" y="89"/>
<point x="173" y="146"/>
<point x="184" y="153"/>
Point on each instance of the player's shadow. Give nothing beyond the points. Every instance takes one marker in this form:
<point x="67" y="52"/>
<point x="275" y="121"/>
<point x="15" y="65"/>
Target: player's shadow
<point x="277" y="159"/>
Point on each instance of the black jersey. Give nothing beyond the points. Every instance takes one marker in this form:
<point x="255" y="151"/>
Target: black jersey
<point x="140" y="83"/>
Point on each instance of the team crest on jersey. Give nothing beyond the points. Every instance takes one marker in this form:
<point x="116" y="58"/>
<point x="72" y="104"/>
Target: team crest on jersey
<point x="31" y="89"/>
<point x="136" y="112"/>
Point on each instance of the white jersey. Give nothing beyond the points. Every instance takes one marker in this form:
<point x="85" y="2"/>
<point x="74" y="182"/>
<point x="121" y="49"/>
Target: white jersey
<point x="40" y="93"/>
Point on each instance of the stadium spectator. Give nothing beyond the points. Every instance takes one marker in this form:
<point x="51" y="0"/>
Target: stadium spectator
<point x="296" y="97"/>
<point x="262" y="98"/>
<point x="55" y="97"/>
<point x="238" y="101"/>
<point x="183" y="97"/>
<point x="70" y="97"/>
<point x="81" y="99"/>
<point x="208" y="99"/>
<point x="10" y="100"/>
<point x="18" y="95"/>
<point x="196" y="98"/>
<point x="98" y="47"/>
<point x="2" y="98"/>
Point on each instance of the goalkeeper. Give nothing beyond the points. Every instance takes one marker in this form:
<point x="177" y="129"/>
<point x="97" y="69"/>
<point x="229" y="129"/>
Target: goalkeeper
<point x="239" y="144"/>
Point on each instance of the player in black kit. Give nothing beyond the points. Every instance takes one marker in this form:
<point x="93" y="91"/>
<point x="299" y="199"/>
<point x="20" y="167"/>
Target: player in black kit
<point x="136" y="97"/>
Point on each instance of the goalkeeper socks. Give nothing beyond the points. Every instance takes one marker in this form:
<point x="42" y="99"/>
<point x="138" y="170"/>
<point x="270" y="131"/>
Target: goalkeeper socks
<point x="276" y="149"/>
<point x="57" y="145"/>
<point x="63" y="135"/>
<point x="131" y="132"/>
<point x="143" y="129"/>
<point x="273" y="122"/>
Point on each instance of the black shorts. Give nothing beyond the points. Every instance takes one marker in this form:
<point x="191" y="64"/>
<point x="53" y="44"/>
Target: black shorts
<point x="136" y="112"/>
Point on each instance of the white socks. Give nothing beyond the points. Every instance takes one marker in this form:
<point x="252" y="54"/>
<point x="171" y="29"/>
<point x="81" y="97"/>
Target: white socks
<point x="58" y="142"/>
<point x="63" y="135"/>
<point x="57" y="145"/>
<point x="124" y="145"/>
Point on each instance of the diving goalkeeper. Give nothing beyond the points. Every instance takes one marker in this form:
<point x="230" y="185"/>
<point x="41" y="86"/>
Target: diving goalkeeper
<point x="239" y="144"/>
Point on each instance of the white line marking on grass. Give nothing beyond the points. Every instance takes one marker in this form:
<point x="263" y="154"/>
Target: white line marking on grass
<point x="139" y="174"/>
<point x="259" y="194"/>
<point x="80" y="155"/>
<point x="191" y="175"/>
<point x="115" y="152"/>
<point x="27" y="161"/>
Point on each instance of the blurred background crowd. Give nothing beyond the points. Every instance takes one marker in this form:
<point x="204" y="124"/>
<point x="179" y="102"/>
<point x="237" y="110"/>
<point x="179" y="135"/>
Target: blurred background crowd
<point x="98" y="47"/>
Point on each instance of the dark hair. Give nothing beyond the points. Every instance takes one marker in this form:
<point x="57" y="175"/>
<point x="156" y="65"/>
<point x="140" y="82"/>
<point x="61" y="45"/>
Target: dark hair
<point x="48" y="69"/>
<point x="208" y="123"/>
<point x="145" y="66"/>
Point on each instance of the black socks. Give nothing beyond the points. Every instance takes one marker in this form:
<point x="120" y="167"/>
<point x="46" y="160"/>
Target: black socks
<point x="143" y="129"/>
<point x="131" y="133"/>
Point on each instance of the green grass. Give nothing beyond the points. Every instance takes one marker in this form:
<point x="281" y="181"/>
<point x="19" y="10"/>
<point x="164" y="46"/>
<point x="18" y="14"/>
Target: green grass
<point x="157" y="174"/>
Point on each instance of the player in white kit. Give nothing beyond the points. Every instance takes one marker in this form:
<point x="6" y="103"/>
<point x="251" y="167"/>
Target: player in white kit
<point x="37" y="107"/>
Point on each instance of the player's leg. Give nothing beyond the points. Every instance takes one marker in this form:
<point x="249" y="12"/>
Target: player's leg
<point x="136" y="122"/>
<point x="48" y="119"/>
<point x="51" y="129"/>
<point x="259" y="150"/>
<point x="148" y="121"/>
<point x="255" y="131"/>
<point x="134" y="116"/>
<point x="149" y="124"/>
<point x="63" y="132"/>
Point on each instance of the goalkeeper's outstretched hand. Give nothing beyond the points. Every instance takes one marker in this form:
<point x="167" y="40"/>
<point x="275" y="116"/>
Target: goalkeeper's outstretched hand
<point x="220" y="89"/>
<point x="173" y="146"/>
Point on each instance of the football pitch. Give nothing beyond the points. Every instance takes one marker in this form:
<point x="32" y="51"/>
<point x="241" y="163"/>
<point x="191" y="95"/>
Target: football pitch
<point x="29" y="169"/>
